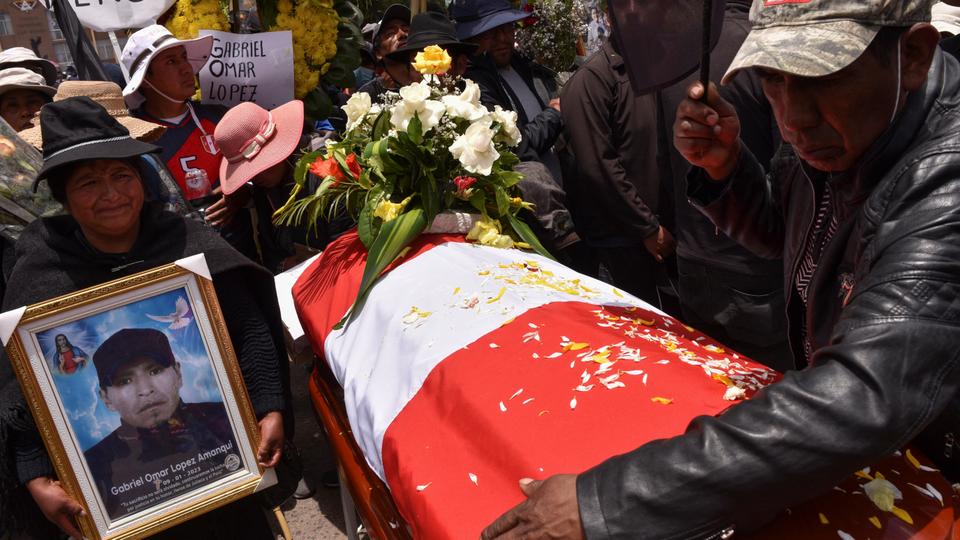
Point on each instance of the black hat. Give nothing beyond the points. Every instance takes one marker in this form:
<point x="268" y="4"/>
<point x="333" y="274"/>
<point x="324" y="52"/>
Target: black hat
<point x="78" y="129"/>
<point x="431" y="28"/>
<point x="394" y="11"/>
<point x="128" y="345"/>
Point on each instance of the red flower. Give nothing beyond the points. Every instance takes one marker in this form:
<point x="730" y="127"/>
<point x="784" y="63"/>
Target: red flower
<point x="532" y="19"/>
<point x="463" y="183"/>
<point x="324" y="167"/>
<point x="354" y="166"/>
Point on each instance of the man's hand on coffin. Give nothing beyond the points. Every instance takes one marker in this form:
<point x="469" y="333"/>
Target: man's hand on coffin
<point x="550" y="511"/>
<point x="271" y="440"/>
<point x="55" y="504"/>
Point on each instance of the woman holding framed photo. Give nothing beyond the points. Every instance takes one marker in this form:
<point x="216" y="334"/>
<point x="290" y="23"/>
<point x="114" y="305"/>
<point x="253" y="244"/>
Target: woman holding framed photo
<point x="109" y="232"/>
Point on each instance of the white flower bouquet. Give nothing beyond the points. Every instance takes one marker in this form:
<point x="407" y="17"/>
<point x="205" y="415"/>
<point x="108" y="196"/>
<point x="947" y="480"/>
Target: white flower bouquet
<point x="431" y="147"/>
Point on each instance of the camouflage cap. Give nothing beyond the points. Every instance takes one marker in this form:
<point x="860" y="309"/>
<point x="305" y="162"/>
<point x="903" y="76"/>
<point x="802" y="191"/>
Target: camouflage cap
<point x="813" y="38"/>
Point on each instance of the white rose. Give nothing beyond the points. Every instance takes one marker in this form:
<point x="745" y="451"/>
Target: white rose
<point x="457" y="107"/>
<point x="474" y="149"/>
<point x="471" y="93"/>
<point x="431" y="114"/>
<point x="415" y="93"/>
<point x="429" y="111"/>
<point x="508" y="125"/>
<point x="357" y="108"/>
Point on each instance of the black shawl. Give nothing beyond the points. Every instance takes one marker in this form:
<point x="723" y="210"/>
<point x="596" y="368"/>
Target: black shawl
<point x="53" y="258"/>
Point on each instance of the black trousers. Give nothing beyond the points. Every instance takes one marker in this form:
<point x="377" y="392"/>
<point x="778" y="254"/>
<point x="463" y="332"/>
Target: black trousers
<point x="634" y="270"/>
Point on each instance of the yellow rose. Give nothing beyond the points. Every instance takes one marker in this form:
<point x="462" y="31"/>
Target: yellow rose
<point x="432" y="61"/>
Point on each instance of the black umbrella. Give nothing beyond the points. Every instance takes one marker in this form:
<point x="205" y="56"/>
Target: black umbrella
<point x="663" y="41"/>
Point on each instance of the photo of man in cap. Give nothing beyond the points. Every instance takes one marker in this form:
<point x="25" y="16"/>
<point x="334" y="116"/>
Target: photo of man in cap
<point x="163" y="447"/>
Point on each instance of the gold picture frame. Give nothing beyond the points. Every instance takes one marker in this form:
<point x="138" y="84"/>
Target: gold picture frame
<point x="182" y="471"/>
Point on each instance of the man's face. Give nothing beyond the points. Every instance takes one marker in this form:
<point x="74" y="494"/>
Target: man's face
<point x="393" y="35"/>
<point x="498" y="43"/>
<point x="402" y="73"/>
<point x="832" y="121"/>
<point x="144" y="392"/>
<point x="171" y="73"/>
<point x="18" y="107"/>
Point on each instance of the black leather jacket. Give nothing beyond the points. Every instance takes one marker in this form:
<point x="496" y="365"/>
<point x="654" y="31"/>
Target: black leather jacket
<point x="884" y="320"/>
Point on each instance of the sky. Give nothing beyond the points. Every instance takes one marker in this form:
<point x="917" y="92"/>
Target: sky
<point x="89" y="418"/>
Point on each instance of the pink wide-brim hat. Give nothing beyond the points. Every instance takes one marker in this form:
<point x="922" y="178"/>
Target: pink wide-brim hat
<point x="253" y="139"/>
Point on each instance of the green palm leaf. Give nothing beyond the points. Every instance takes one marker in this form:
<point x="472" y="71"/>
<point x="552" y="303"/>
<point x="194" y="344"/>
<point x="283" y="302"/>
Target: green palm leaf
<point x="393" y="237"/>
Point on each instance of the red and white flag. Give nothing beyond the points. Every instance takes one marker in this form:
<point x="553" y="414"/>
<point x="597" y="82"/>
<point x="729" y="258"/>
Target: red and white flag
<point x="471" y="367"/>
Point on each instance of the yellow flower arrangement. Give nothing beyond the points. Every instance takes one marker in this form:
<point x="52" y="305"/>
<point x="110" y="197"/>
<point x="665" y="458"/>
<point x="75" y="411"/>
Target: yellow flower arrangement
<point x="432" y="61"/>
<point x="192" y="16"/>
<point x="313" y="24"/>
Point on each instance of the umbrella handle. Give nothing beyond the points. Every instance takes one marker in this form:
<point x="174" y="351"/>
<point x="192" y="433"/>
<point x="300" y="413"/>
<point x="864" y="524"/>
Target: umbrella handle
<point x="705" y="47"/>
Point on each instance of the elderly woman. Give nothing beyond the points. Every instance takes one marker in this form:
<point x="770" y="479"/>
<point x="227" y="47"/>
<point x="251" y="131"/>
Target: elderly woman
<point x="90" y="164"/>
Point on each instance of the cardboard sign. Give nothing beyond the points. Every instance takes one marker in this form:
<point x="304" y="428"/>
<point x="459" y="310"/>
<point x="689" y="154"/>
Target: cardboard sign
<point x="248" y="67"/>
<point x="112" y="15"/>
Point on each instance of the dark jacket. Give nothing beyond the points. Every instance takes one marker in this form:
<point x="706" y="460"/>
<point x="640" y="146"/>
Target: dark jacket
<point x="53" y="259"/>
<point x="883" y="323"/>
<point x="612" y="134"/>
<point x="726" y="290"/>
<point x="539" y="133"/>
<point x="697" y="237"/>
<point x="120" y="460"/>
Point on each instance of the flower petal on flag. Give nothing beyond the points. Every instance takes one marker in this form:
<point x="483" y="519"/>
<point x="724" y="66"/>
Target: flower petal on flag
<point x="902" y="514"/>
<point x="422" y="487"/>
<point x="503" y="408"/>
<point x="473" y="478"/>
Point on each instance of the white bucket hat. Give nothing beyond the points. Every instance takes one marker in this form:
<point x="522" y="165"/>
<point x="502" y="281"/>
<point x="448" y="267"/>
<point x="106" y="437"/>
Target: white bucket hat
<point x="19" y="78"/>
<point x="26" y="58"/>
<point x="946" y="18"/>
<point x="144" y="45"/>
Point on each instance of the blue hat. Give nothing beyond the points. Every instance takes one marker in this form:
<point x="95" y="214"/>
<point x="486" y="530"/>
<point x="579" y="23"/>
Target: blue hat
<point x="475" y="17"/>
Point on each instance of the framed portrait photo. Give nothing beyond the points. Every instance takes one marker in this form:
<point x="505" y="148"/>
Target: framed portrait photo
<point x="139" y="399"/>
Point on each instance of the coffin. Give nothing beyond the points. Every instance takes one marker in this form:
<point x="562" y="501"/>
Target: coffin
<point x="471" y="367"/>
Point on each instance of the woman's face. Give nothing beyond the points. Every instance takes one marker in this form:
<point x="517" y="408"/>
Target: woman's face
<point x="18" y="107"/>
<point x="274" y="176"/>
<point x="105" y="197"/>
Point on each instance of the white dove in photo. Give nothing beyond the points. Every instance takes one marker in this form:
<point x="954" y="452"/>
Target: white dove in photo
<point x="178" y="319"/>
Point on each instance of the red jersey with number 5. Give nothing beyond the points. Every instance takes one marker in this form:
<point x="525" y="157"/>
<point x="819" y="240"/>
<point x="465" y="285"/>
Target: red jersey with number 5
<point x="185" y="149"/>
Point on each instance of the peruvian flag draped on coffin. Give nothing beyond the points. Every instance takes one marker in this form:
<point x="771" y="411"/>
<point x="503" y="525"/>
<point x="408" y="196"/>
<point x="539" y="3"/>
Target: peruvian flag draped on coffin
<point x="470" y="367"/>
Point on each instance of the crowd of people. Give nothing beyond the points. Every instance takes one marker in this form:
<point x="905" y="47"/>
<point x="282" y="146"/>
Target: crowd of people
<point x="804" y="213"/>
